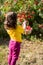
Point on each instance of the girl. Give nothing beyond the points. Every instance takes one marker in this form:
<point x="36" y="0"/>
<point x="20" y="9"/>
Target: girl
<point x="14" y="32"/>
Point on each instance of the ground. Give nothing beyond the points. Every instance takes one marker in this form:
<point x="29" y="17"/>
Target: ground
<point x="31" y="53"/>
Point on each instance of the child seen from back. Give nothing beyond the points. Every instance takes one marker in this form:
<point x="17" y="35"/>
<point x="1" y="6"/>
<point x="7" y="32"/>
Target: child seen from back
<point x="14" y="32"/>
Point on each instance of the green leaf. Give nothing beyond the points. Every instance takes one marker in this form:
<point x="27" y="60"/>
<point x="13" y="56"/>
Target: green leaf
<point x="41" y="15"/>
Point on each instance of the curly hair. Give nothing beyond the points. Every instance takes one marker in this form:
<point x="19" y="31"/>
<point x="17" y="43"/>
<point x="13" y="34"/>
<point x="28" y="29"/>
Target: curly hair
<point x="11" y="20"/>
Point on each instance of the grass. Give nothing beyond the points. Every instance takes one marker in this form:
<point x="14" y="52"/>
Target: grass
<point x="3" y="54"/>
<point x="3" y="51"/>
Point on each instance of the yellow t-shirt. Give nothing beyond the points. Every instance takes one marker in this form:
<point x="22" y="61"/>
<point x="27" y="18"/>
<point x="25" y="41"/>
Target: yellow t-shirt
<point x="15" y="34"/>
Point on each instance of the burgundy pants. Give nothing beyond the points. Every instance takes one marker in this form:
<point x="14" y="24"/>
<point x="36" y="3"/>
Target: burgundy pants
<point x="14" y="49"/>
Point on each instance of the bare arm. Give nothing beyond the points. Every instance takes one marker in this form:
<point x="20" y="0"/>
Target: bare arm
<point x="24" y="27"/>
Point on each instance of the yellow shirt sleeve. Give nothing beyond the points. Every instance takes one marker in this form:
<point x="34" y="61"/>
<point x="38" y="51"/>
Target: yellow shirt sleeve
<point x="9" y="31"/>
<point x="21" y="29"/>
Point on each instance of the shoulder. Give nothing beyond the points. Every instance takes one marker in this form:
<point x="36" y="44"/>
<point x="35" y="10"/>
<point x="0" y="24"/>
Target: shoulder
<point x="9" y="31"/>
<point x="20" y="27"/>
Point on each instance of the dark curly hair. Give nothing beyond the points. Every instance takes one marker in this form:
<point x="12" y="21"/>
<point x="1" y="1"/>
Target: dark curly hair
<point x="11" y="20"/>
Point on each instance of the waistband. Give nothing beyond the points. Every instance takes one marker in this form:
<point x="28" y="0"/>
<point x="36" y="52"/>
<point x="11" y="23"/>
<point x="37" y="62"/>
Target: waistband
<point x="15" y="41"/>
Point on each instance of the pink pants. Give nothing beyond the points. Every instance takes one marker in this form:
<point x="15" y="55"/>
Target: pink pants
<point x="14" y="49"/>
